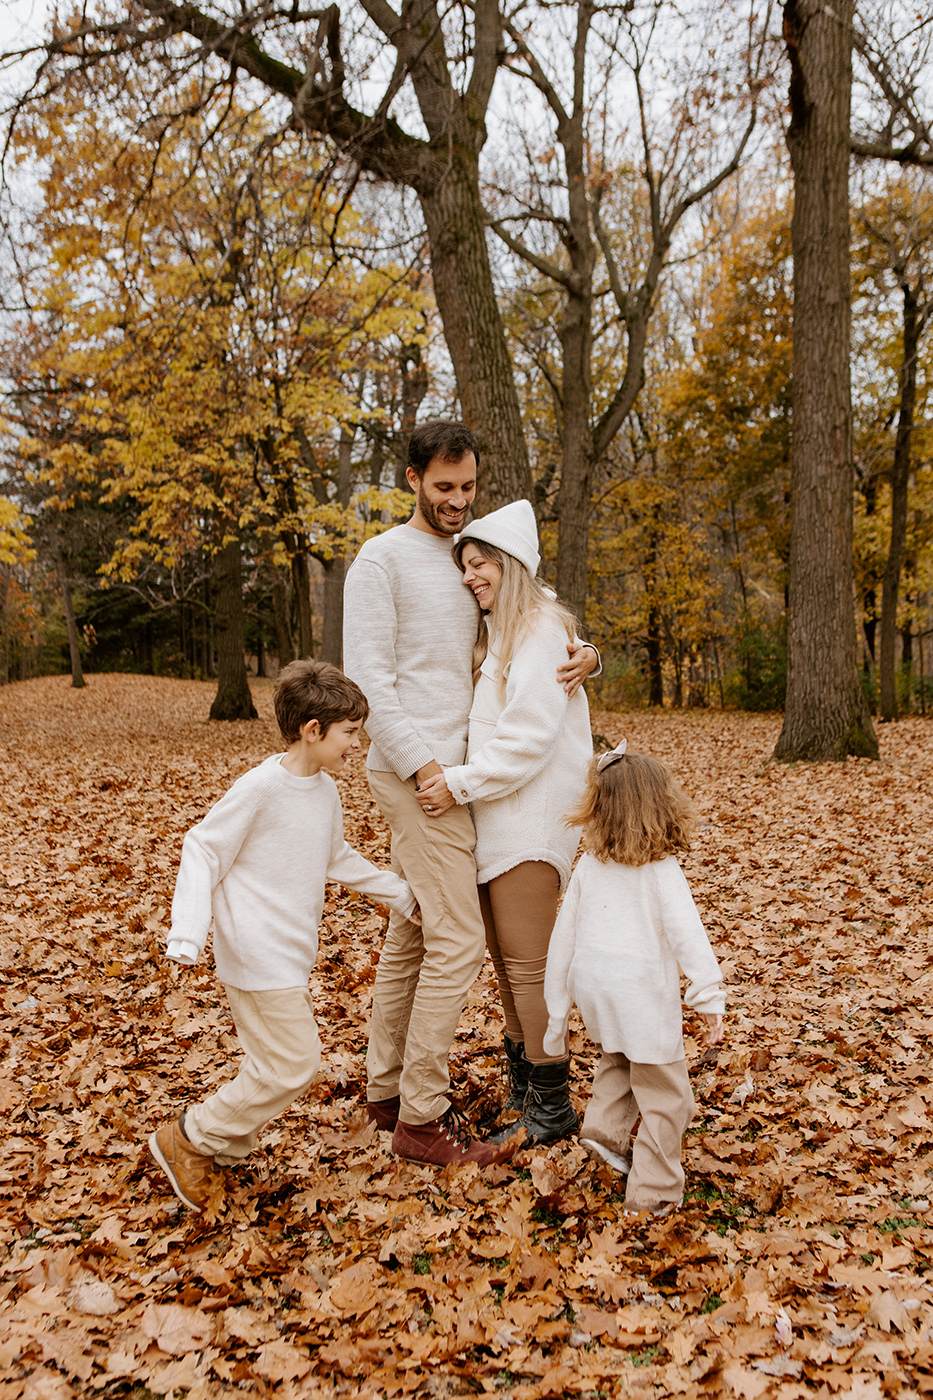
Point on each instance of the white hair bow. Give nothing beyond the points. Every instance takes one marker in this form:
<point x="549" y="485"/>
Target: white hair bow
<point x="612" y="757"/>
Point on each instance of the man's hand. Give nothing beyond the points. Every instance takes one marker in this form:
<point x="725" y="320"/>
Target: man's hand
<point x="574" y="672"/>
<point x="434" y="795"/>
<point x="713" y="1031"/>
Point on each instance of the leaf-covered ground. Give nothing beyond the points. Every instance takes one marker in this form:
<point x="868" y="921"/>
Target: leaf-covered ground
<point x="798" y="1266"/>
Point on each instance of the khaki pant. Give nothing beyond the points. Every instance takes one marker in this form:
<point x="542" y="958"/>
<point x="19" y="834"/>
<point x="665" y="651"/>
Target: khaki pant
<point x="281" y="1057"/>
<point x="424" y="974"/>
<point x="519" y="909"/>
<point x="662" y="1095"/>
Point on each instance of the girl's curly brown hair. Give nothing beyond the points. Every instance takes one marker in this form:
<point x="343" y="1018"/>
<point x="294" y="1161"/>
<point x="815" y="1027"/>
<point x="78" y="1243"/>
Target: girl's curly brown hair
<point x="634" y="812"/>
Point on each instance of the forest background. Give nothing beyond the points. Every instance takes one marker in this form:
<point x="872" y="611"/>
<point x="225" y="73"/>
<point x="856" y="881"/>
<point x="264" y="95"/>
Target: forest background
<point x="246" y="251"/>
<point x="633" y="245"/>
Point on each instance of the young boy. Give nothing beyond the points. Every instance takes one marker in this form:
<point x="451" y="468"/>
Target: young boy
<point x="257" y="864"/>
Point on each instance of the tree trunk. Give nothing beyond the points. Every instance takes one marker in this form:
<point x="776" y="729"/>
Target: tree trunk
<point x="655" y="669"/>
<point x="233" y="700"/>
<point x="466" y="300"/>
<point x="335" y="568"/>
<point x="301" y="583"/>
<point x="74" y="641"/>
<point x="900" y="474"/>
<point x="827" y="715"/>
<point x="284" y="644"/>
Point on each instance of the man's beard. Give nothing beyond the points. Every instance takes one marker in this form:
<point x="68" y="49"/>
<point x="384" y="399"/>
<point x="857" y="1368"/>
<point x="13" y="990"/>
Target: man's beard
<point x="431" y="516"/>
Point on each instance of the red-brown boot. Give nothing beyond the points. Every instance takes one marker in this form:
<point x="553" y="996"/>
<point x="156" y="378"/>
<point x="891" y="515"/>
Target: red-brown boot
<point x="384" y="1112"/>
<point x="447" y="1139"/>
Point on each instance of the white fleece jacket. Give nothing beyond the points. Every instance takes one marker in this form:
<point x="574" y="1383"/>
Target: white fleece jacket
<point x="257" y="864"/>
<point x="621" y="932"/>
<point x="527" y="757"/>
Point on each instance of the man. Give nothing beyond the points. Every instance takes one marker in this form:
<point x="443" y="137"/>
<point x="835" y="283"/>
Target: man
<point x="409" y="629"/>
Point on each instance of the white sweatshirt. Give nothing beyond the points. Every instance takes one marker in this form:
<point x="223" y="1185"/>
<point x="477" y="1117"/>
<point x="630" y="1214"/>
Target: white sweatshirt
<point x="529" y="747"/>
<point x="621" y="932"/>
<point x="257" y="864"/>
<point x="408" y="631"/>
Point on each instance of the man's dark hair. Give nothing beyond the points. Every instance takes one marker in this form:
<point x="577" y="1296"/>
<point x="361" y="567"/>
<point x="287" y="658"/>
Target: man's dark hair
<point x="315" y="690"/>
<point x="440" y="437"/>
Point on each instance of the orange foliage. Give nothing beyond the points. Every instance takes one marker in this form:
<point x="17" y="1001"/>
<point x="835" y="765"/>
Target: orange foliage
<point x="797" y="1266"/>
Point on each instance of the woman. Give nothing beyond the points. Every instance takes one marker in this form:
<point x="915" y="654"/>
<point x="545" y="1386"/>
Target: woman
<point x="529" y="747"/>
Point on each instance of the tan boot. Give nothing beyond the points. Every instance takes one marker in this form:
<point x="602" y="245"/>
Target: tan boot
<point x="189" y="1172"/>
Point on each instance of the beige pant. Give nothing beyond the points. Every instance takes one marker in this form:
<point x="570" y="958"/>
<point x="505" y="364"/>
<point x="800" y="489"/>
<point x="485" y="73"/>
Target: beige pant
<point x="662" y="1095"/>
<point x="424" y="974"/>
<point x="519" y="909"/>
<point x="281" y="1057"/>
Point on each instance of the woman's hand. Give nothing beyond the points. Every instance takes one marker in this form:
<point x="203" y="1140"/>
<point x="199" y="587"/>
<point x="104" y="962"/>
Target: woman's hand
<point x="434" y="796"/>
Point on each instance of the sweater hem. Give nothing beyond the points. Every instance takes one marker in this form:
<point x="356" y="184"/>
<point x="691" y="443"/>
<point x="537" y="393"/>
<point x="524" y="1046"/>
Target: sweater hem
<point x="507" y="863"/>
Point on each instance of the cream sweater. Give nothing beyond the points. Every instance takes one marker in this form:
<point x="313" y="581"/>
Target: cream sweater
<point x="408" y="631"/>
<point x="621" y="932"/>
<point x="527" y="757"/>
<point x="257" y="864"/>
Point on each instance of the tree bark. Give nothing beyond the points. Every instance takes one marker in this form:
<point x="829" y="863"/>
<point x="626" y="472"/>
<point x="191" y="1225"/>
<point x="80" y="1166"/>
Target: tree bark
<point x="466" y="299"/>
<point x="335" y="567"/>
<point x="74" y="641"/>
<point x="301" y="587"/>
<point x="284" y="645"/>
<point x="900" y="475"/>
<point x="826" y="716"/>
<point x="233" y="699"/>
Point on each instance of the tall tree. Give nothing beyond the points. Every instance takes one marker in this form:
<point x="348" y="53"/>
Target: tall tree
<point x="826" y="715"/>
<point x="450" y="65"/>
<point x="678" y="163"/>
<point x="898" y="227"/>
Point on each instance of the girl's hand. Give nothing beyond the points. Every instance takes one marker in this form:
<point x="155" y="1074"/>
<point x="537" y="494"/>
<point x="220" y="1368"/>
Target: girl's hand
<point x="415" y="916"/>
<point x="434" y="796"/>
<point x="713" y="1030"/>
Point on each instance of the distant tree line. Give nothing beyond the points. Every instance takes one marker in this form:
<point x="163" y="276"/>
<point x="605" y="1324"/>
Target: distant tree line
<point x="239" y="291"/>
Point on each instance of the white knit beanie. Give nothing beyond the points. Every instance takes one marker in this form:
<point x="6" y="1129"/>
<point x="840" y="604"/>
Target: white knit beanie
<point x="512" y="529"/>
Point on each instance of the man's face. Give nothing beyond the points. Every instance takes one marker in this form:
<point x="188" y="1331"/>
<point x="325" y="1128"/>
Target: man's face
<point x="444" y="494"/>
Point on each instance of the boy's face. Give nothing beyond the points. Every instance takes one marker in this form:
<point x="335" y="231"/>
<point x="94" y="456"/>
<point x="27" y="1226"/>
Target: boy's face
<point x="334" y="747"/>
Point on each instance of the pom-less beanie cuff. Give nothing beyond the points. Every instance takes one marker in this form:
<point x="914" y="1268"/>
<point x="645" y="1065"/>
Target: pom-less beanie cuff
<point x="512" y="529"/>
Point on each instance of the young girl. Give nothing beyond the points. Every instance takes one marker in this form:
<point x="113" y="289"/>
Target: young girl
<point x="627" y="922"/>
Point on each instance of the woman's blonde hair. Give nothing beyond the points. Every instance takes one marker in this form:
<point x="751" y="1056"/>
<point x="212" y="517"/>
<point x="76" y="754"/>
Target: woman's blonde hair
<point x="634" y="811"/>
<point x="520" y="599"/>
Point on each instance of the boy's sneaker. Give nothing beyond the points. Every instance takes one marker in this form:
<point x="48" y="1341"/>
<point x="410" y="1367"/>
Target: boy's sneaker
<point x="447" y="1139"/>
<point x="622" y="1165"/>
<point x="189" y="1172"/>
<point x="384" y="1112"/>
<point x="659" y="1213"/>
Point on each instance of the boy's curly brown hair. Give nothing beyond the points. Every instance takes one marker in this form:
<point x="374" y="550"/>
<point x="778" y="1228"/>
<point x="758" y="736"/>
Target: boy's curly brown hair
<point x="634" y="811"/>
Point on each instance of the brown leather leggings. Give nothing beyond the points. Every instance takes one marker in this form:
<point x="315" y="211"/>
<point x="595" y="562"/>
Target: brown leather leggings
<point x="519" y="909"/>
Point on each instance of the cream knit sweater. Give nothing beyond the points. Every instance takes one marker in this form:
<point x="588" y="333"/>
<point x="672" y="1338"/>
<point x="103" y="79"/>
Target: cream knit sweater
<point x="620" y="935"/>
<point x="257" y="864"/>
<point x="529" y="747"/>
<point x="408" y="631"/>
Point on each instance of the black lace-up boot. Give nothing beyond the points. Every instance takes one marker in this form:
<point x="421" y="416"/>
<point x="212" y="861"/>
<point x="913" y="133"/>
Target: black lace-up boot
<point x="548" y="1113"/>
<point x="518" y="1073"/>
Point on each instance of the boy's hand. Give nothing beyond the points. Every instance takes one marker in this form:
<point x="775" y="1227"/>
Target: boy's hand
<point x="713" y="1030"/>
<point x="415" y="915"/>
<point x="571" y="674"/>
